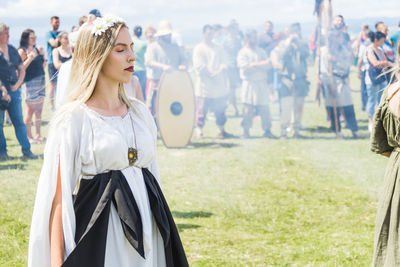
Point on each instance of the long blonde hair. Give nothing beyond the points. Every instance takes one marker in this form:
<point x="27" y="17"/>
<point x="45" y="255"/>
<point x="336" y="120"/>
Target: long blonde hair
<point x="89" y="55"/>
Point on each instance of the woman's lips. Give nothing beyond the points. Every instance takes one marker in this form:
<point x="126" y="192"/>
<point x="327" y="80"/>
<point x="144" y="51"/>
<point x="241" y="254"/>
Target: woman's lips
<point x="130" y="69"/>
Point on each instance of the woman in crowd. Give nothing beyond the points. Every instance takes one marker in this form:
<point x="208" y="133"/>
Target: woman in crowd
<point x="385" y="141"/>
<point x="134" y="89"/>
<point x="63" y="53"/>
<point x="374" y="80"/>
<point x="34" y="83"/>
<point x="99" y="202"/>
<point x="12" y="74"/>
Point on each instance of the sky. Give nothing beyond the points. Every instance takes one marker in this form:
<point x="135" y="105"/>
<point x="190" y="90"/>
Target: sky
<point x="185" y="15"/>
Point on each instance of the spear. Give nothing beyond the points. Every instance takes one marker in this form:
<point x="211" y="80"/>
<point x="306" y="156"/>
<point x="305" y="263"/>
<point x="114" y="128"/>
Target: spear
<point x="318" y="11"/>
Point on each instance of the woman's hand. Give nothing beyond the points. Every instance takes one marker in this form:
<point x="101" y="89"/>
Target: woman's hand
<point x="41" y="50"/>
<point x="32" y="55"/>
<point x="55" y="226"/>
<point x="5" y="96"/>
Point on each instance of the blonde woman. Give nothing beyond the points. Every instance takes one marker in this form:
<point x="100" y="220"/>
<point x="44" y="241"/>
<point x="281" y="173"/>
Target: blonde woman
<point x="385" y="141"/>
<point x="98" y="201"/>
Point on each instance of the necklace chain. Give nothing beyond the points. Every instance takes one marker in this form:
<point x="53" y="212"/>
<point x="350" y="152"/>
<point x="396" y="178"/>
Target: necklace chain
<point x="132" y="151"/>
<point x="133" y="128"/>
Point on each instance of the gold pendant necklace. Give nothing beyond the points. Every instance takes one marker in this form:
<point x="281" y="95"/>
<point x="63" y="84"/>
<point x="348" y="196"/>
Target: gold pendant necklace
<point x="132" y="151"/>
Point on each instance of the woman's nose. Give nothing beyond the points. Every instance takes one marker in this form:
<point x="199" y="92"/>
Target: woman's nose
<point x="132" y="56"/>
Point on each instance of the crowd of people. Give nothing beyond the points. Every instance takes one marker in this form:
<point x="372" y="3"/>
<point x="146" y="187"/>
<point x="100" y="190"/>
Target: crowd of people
<point x="100" y="168"/>
<point x="262" y="66"/>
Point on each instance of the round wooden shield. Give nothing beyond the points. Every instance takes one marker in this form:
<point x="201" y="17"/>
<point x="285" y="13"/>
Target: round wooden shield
<point x="176" y="108"/>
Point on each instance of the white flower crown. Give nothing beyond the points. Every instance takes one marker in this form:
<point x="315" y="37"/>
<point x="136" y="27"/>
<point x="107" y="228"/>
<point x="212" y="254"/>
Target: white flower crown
<point x="102" y="24"/>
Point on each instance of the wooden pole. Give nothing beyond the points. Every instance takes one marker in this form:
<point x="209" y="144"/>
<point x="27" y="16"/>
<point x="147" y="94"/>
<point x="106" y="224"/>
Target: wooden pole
<point x="318" y="32"/>
<point x="331" y="79"/>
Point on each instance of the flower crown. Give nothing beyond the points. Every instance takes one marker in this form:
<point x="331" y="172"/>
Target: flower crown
<point x="102" y="24"/>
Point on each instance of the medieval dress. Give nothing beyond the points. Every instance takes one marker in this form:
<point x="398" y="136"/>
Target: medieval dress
<point x="384" y="139"/>
<point x="113" y="212"/>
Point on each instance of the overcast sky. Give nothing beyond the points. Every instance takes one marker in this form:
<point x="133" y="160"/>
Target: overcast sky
<point x="247" y="11"/>
<point x="184" y="14"/>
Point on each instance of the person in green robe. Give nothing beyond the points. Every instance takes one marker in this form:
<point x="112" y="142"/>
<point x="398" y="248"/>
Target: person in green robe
<point x="385" y="140"/>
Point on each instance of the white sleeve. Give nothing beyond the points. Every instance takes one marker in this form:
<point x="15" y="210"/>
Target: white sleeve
<point x="62" y="82"/>
<point x="62" y="146"/>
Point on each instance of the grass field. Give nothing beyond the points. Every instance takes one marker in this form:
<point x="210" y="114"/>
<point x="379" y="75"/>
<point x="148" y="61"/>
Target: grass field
<point x="244" y="202"/>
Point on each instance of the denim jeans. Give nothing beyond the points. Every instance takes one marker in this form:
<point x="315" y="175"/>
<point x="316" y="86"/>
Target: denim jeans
<point x="15" y="111"/>
<point x="141" y="74"/>
<point x="374" y="92"/>
<point x="364" y="95"/>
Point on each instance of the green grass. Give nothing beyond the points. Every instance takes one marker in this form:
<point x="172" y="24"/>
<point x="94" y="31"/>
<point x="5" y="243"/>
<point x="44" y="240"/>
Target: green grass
<point x="254" y="202"/>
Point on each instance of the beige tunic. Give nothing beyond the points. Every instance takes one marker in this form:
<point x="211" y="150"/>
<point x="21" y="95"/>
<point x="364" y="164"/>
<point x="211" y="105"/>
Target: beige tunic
<point x="208" y="59"/>
<point x="341" y="87"/>
<point x="169" y="54"/>
<point x="254" y="80"/>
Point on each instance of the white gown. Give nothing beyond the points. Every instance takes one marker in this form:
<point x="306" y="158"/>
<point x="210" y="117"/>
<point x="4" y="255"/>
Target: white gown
<point x="87" y="144"/>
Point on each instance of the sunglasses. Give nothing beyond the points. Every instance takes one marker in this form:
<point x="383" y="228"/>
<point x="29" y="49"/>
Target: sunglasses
<point x="32" y="36"/>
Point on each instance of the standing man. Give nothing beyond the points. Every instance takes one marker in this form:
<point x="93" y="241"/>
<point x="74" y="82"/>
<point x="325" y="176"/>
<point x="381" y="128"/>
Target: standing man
<point x="139" y="49"/>
<point x="52" y="42"/>
<point x="211" y="88"/>
<point x="290" y="60"/>
<point x="337" y="25"/>
<point x="266" y="40"/>
<point x="12" y="74"/>
<point x="232" y="45"/>
<point x="161" y="55"/>
<point x="253" y="63"/>
<point x="336" y="61"/>
<point x="394" y="38"/>
<point x="387" y="46"/>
